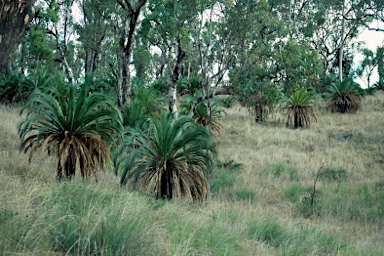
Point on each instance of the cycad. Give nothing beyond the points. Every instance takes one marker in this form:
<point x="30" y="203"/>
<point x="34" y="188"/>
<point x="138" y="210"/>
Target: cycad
<point x="300" y="109"/>
<point x="146" y="103"/>
<point x="344" y="96"/>
<point x="171" y="160"/>
<point x="75" y="125"/>
<point x="200" y="115"/>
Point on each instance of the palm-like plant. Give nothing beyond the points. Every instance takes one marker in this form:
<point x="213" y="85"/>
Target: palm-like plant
<point x="76" y="125"/>
<point x="300" y="109"/>
<point x="171" y="160"/>
<point x="150" y="100"/>
<point x="344" y="96"/>
<point x="146" y="103"/>
<point x="201" y="114"/>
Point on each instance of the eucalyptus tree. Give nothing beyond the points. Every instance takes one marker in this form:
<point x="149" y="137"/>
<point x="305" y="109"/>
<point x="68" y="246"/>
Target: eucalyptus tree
<point x="167" y="27"/>
<point x="38" y="50"/>
<point x="330" y="26"/>
<point x="15" y="17"/>
<point x="50" y="41"/>
<point x="369" y="63"/>
<point x="62" y="30"/>
<point x="215" y="39"/>
<point x="96" y="33"/>
<point x="127" y="29"/>
<point x="271" y="56"/>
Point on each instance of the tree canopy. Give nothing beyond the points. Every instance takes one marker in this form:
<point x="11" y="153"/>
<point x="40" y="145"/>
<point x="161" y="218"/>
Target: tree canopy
<point x="243" y="46"/>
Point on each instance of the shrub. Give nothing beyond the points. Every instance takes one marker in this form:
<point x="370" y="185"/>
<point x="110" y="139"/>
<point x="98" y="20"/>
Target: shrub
<point x="201" y="113"/>
<point x="74" y="125"/>
<point x="171" y="160"/>
<point x="344" y="96"/>
<point x="300" y="109"/>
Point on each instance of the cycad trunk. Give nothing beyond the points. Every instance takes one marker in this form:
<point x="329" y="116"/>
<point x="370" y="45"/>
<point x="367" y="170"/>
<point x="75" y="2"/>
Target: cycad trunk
<point x="69" y="168"/>
<point x="298" y="122"/>
<point x="166" y="186"/>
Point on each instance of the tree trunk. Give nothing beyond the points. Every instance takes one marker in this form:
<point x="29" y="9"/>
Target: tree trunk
<point x="173" y="78"/>
<point x="15" y="17"/>
<point x="124" y="55"/>
<point x="341" y="44"/>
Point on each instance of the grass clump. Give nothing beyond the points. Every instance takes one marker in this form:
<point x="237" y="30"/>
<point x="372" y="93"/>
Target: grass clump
<point x="225" y="176"/>
<point x="297" y="239"/>
<point x="293" y="192"/>
<point x="267" y="230"/>
<point x="207" y="239"/>
<point x="81" y="220"/>
<point x="245" y="194"/>
<point x="280" y="170"/>
<point x="336" y="174"/>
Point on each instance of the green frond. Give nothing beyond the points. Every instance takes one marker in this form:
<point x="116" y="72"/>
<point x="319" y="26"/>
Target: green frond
<point x="172" y="159"/>
<point x="299" y="109"/>
<point x="344" y="97"/>
<point x="201" y="114"/>
<point x="76" y="124"/>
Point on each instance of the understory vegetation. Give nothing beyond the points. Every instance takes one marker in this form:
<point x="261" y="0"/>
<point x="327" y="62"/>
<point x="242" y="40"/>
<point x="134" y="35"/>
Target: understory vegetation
<point x="273" y="191"/>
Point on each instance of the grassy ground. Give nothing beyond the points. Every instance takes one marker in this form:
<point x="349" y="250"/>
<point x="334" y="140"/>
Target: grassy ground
<point x="262" y="200"/>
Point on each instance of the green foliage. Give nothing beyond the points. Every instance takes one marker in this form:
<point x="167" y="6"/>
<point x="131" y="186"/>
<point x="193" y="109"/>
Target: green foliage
<point x="75" y="125"/>
<point x="227" y="102"/>
<point x="306" y="240"/>
<point x="149" y="99"/>
<point x="17" y="88"/>
<point x="189" y="85"/>
<point x="294" y="240"/>
<point x="97" y="83"/>
<point x="201" y="114"/>
<point x="310" y="204"/>
<point x="12" y="89"/>
<point x="160" y="85"/>
<point x="222" y="181"/>
<point x="146" y="103"/>
<point x="255" y="92"/>
<point x="379" y="85"/>
<point x="344" y="96"/>
<point x="299" y="108"/>
<point x="142" y="61"/>
<point x="299" y="65"/>
<point x="171" y="160"/>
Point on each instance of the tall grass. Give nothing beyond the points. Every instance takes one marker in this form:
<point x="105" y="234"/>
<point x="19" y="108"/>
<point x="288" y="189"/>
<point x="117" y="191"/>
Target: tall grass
<point x="254" y="210"/>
